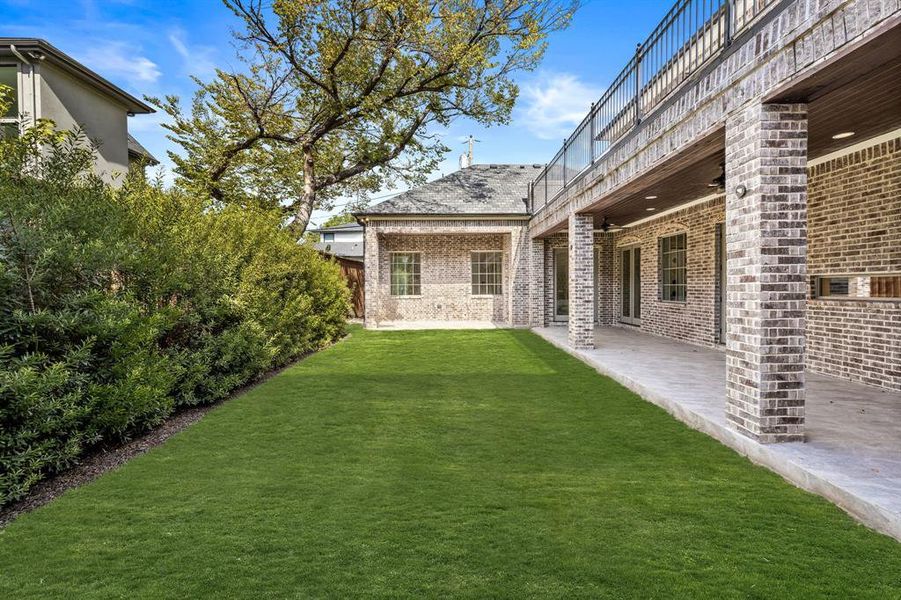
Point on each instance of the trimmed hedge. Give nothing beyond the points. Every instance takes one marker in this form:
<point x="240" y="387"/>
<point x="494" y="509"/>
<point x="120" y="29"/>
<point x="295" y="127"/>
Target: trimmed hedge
<point x="119" y="305"/>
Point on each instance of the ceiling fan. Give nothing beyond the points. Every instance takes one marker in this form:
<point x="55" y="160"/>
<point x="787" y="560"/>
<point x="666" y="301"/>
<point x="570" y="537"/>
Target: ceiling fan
<point x="607" y="226"/>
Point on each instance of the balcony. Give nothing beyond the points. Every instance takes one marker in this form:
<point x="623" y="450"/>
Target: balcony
<point x="691" y="35"/>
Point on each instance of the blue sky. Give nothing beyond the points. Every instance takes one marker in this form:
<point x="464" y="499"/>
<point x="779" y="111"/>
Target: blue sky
<point x="152" y="47"/>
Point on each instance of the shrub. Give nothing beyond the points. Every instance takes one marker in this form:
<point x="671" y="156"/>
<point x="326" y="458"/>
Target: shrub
<point x="120" y="304"/>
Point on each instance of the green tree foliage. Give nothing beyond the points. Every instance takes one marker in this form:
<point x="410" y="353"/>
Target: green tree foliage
<point x="339" y="219"/>
<point x="343" y="97"/>
<point x="119" y="305"/>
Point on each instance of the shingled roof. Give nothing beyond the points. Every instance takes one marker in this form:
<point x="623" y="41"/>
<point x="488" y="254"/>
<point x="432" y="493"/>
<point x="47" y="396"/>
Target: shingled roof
<point x="475" y="190"/>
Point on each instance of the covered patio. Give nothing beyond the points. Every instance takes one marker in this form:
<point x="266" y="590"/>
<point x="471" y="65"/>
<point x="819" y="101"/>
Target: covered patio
<point x="852" y="455"/>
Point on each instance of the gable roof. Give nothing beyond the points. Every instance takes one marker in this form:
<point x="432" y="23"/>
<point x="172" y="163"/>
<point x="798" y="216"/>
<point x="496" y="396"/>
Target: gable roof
<point x="341" y="227"/>
<point x="475" y="190"/>
<point x="36" y="50"/>
<point x="139" y="152"/>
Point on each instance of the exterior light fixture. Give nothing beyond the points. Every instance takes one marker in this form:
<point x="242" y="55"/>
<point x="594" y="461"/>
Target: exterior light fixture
<point x="740" y="191"/>
<point x="650" y="197"/>
<point x="843" y="135"/>
<point x="651" y="208"/>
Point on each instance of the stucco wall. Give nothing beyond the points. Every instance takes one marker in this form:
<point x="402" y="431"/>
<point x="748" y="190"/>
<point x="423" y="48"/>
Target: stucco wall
<point x="70" y="103"/>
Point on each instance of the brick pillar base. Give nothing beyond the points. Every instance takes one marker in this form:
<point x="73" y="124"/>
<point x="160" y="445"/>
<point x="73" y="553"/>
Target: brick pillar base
<point x="581" y="281"/>
<point x="537" y="316"/>
<point x="370" y="277"/>
<point x="766" y="247"/>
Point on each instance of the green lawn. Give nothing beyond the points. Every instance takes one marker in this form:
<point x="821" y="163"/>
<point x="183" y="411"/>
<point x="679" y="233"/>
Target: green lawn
<point x="434" y="464"/>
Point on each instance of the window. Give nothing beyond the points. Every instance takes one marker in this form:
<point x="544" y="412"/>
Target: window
<point x="673" y="271"/>
<point x="328" y="237"/>
<point x="405" y="274"/>
<point x="9" y="119"/>
<point x="859" y="287"/>
<point x="487" y="273"/>
<point x="833" y="286"/>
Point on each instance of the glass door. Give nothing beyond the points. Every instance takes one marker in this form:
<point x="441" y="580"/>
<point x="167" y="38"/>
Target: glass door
<point x="561" y="284"/>
<point x="630" y="263"/>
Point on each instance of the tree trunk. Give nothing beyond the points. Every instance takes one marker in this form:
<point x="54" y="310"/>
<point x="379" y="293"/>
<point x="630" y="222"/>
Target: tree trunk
<point x="304" y="210"/>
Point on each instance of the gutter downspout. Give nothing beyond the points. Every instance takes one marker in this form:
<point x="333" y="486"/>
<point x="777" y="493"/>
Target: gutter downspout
<point x="32" y="99"/>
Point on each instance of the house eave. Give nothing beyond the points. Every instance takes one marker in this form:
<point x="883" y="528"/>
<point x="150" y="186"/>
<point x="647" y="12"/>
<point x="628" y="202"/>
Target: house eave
<point x="60" y="59"/>
<point x="363" y="217"/>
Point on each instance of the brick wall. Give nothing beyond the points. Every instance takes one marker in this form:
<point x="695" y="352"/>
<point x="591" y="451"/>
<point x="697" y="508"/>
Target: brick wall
<point x="446" y="279"/>
<point x="855" y="228"/>
<point x="603" y="267"/>
<point x="445" y="246"/>
<point x="801" y="38"/>
<point x="766" y="292"/>
<point x="696" y="320"/>
<point x="581" y="281"/>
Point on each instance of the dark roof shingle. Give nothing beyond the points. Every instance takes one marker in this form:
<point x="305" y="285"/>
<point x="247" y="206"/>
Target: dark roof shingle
<point x="352" y="250"/>
<point x="139" y="152"/>
<point x="475" y="190"/>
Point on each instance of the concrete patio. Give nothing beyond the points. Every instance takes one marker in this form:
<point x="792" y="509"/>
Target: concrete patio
<point x="853" y="453"/>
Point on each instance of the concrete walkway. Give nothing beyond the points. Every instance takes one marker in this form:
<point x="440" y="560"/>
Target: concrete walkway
<point x="853" y="453"/>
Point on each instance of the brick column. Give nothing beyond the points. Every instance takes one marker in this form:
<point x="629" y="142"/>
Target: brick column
<point x="581" y="281"/>
<point x="766" y="264"/>
<point x="537" y="314"/>
<point x="371" y="276"/>
<point x="520" y="277"/>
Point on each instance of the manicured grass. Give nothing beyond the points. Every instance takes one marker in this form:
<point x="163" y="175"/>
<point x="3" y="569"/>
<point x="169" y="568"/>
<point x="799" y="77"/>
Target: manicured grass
<point x="419" y="464"/>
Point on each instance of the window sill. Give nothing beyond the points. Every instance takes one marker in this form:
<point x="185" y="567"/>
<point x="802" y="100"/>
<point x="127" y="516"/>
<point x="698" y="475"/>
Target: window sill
<point x="406" y="297"/>
<point x="674" y="302"/>
<point x="854" y="299"/>
<point x="486" y="295"/>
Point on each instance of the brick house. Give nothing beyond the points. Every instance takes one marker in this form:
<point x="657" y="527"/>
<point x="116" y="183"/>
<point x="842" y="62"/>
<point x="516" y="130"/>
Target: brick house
<point x="453" y="250"/>
<point x="738" y="188"/>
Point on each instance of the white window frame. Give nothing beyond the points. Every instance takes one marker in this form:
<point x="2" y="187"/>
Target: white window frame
<point x="417" y="286"/>
<point x="18" y="91"/>
<point x="663" y="269"/>
<point x="472" y="274"/>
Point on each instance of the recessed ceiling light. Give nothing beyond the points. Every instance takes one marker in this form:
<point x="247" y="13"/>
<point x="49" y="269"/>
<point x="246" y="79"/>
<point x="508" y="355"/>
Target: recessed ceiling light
<point x="650" y="197"/>
<point x="651" y="208"/>
<point x="711" y="184"/>
<point x="843" y="135"/>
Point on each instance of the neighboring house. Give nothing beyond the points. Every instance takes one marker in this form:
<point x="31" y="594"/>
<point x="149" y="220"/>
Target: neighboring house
<point x="344" y="244"/>
<point x="138" y="156"/>
<point x="48" y="84"/>
<point x="740" y="190"/>
<point x="345" y="240"/>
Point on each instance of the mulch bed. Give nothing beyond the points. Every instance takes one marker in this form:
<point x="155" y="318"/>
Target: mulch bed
<point x="106" y="458"/>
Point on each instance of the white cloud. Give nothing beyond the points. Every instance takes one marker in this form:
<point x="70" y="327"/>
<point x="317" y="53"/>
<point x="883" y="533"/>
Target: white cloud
<point x="120" y="60"/>
<point x="555" y="104"/>
<point x="196" y="60"/>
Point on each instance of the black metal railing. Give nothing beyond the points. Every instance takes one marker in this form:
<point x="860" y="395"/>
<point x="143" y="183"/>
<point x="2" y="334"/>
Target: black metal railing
<point x="693" y="32"/>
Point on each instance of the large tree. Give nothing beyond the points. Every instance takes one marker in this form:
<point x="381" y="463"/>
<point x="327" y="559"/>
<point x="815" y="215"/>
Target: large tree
<point x="343" y="97"/>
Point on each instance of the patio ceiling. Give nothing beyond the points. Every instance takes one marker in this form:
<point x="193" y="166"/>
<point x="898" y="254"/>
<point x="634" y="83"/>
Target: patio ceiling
<point x="859" y="91"/>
